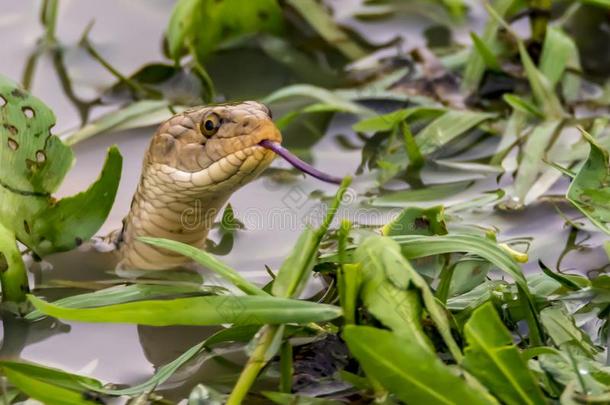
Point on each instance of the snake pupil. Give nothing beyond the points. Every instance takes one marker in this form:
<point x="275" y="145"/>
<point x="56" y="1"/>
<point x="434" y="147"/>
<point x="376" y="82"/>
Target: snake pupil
<point x="209" y="125"/>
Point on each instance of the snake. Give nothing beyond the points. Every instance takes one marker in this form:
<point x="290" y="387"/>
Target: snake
<point x="195" y="161"/>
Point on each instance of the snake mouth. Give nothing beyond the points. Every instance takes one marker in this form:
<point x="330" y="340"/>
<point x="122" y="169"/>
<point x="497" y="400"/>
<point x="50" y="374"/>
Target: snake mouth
<point x="298" y="163"/>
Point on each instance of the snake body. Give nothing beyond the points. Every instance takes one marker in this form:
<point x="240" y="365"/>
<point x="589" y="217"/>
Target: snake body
<point x="194" y="162"/>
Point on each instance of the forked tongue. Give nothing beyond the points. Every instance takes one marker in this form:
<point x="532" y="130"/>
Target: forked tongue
<point x="298" y="163"/>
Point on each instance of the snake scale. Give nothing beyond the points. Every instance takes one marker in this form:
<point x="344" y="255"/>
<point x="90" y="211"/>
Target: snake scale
<point x="194" y="162"/>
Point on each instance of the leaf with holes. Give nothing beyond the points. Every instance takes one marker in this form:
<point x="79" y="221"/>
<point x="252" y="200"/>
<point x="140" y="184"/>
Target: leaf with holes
<point x="33" y="165"/>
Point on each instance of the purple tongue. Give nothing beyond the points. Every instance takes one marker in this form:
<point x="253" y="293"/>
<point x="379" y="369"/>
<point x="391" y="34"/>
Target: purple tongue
<point x="298" y="163"/>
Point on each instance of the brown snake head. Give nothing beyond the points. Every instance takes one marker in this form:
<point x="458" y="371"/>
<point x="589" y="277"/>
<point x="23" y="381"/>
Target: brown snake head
<point x="216" y="147"/>
<point x="195" y="161"/>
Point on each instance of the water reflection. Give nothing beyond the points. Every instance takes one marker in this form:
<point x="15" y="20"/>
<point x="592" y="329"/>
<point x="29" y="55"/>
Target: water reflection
<point x="274" y="209"/>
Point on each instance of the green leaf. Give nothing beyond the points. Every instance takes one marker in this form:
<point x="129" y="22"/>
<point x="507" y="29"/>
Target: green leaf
<point x="417" y="221"/>
<point x="45" y="392"/>
<point x="388" y="277"/>
<point x="542" y="89"/>
<point x="32" y="166"/>
<point x="416" y="158"/>
<point x="208" y="24"/>
<point x="493" y="359"/>
<point x="599" y="3"/>
<point x="286" y="366"/>
<point x="475" y="66"/>
<point x="562" y="329"/>
<point x="490" y="59"/>
<point x="558" y="50"/>
<point x="319" y="19"/>
<point x="570" y="368"/>
<point x="208" y="261"/>
<point x="381" y="123"/>
<point x="422" y="246"/>
<point x="122" y="293"/>
<point x="204" y="395"/>
<point x="457" y="8"/>
<point x="138" y="113"/>
<point x="386" y="122"/>
<point x="233" y="334"/>
<point x="566" y="281"/>
<point x="406" y="198"/>
<point x="295" y="399"/>
<point x="534" y="150"/>
<point x="32" y="160"/>
<point x="413" y="375"/>
<point x="447" y="127"/>
<point x="181" y="24"/>
<point x="324" y="96"/>
<point x="65" y="224"/>
<point x="13" y="273"/>
<point x="399" y="309"/>
<point x="214" y="310"/>
<point x="51" y="375"/>
<point x="523" y="105"/>
<point x="590" y="189"/>
<point x="349" y="281"/>
<point x="296" y="268"/>
<point x="414" y="246"/>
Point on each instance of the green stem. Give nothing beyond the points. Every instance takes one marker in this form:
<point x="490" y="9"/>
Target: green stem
<point x="205" y="77"/>
<point x="541" y="10"/>
<point x="416" y="159"/>
<point x="255" y="364"/>
<point x="334" y="207"/>
<point x="48" y="18"/>
<point x="136" y="87"/>
<point x="13" y="276"/>
<point x="30" y="68"/>
<point x="65" y="83"/>
<point x="269" y="333"/>
<point x="286" y="367"/>
<point x="442" y="292"/>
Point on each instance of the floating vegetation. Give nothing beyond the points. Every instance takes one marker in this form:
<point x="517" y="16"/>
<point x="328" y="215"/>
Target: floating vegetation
<point x="462" y="259"/>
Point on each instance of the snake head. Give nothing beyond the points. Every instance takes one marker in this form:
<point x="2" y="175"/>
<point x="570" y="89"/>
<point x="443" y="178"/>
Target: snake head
<point x="215" y="148"/>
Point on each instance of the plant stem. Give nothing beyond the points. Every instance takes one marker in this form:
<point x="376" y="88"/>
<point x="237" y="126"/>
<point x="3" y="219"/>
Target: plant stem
<point x="48" y="18"/>
<point x="203" y="74"/>
<point x="286" y="367"/>
<point x="541" y="10"/>
<point x="13" y="275"/>
<point x="334" y="207"/>
<point x="257" y="361"/>
<point x="135" y="87"/>
<point x="269" y="333"/>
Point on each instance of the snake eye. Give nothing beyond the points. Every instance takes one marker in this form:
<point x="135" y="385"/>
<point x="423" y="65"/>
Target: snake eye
<point x="210" y="125"/>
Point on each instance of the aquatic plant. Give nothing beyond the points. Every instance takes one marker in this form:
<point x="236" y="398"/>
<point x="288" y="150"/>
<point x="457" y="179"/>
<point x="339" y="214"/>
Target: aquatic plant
<point x="451" y="300"/>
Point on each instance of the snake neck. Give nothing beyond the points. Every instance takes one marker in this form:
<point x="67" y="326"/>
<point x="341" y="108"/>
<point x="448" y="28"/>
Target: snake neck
<point x="195" y="161"/>
<point x="166" y="208"/>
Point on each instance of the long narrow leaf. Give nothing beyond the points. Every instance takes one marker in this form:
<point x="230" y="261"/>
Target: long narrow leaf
<point x="422" y="246"/>
<point x="492" y="357"/>
<point x="209" y="261"/>
<point x="214" y="310"/>
<point x="45" y="392"/>
<point x="122" y="293"/>
<point x="413" y="375"/>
